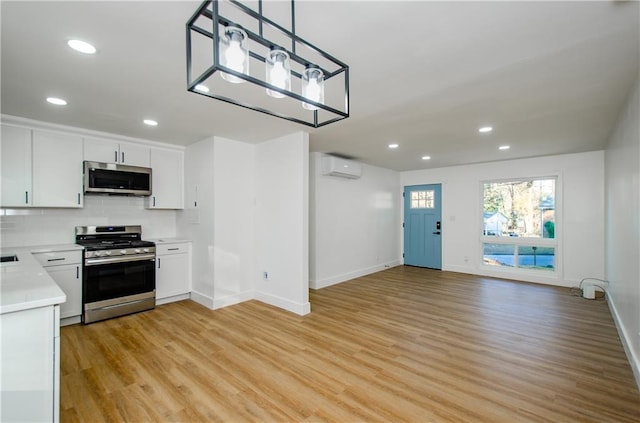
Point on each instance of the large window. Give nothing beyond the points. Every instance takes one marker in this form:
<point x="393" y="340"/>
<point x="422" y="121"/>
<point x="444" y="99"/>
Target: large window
<point x="519" y="224"/>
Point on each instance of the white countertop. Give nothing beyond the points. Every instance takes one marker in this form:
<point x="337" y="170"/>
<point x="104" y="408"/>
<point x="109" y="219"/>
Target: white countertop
<point x="24" y="284"/>
<point x="53" y="247"/>
<point x="168" y="240"/>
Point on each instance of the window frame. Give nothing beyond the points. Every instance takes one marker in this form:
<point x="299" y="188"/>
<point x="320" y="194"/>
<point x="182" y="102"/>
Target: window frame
<point x="517" y="242"/>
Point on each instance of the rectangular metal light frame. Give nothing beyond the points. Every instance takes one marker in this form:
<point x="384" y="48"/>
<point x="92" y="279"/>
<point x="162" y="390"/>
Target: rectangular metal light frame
<point x="209" y="9"/>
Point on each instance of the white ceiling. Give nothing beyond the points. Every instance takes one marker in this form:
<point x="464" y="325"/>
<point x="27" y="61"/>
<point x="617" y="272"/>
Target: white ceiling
<point x="550" y="77"/>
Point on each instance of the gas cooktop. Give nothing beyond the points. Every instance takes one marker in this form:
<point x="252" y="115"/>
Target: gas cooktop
<point x="94" y="238"/>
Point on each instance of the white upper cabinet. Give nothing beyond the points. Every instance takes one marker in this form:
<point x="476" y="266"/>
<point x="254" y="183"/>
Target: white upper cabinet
<point x="40" y="169"/>
<point x="15" y="147"/>
<point x="57" y="170"/>
<point x="110" y="151"/>
<point x="167" y="183"/>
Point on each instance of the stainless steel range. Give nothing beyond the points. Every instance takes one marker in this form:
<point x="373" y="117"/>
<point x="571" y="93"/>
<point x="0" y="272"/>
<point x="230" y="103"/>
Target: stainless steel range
<point x="119" y="272"/>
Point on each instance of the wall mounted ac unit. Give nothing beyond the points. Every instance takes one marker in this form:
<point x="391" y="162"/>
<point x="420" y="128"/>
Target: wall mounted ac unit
<point x="343" y="168"/>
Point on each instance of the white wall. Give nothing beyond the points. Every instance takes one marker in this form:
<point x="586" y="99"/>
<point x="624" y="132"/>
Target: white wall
<point x="622" y="164"/>
<point x="580" y="200"/>
<point x="282" y="224"/>
<point x="234" y="217"/>
<point x="196" y="221"/>
<point x="246" y="213"/>
<point x="354" y="224"/>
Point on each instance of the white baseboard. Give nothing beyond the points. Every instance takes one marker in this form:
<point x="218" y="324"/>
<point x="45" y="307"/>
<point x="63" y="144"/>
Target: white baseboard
<point x="215" y="303"/>
<point x="323" y="283"/>
<point x="232" y="299"/>
<point x="634" y="360"/>
<point x="172" y="299"/>
<point x="202" y="299"/>
<point x="505" y="274"/>
<point x="283" y="303"/>
<point x="70" y="320"/>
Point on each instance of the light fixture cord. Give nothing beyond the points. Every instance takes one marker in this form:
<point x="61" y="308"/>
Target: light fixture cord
<point x="260" y="21"/>
<point x="293" y="27"/>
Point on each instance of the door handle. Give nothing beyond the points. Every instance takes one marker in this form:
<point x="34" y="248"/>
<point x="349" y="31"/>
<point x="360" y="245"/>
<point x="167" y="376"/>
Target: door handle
<point x="436" y="233"/>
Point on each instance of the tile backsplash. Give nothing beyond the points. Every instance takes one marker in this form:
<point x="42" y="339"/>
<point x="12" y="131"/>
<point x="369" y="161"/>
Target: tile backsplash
<point x="42" y="226"/>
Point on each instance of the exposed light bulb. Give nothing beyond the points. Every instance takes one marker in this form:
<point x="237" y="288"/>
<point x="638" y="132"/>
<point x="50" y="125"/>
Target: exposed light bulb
<point x="278" y="68"/>
<point x="235" y="55"/>
<point x="313" y="87"/>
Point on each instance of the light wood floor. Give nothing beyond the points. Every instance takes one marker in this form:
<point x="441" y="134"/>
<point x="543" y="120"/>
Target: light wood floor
<point x="406" y="344"/>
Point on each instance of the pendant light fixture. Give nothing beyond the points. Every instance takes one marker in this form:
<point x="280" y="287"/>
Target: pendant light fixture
<point x="227" y="35"/>
<point x="278" y="68"/>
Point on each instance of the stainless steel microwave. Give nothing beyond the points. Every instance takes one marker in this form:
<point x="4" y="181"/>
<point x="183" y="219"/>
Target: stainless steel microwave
<point x="115" y="179"/>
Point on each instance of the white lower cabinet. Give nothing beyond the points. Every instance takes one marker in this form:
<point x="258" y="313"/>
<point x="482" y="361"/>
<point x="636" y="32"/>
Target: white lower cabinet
<point x="65" y="268"/>
<point x="173" y="272"/>
<point x="30" y="357"/>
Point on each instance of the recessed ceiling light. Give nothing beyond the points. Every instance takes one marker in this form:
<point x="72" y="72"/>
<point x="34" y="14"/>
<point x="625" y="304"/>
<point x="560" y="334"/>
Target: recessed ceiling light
<point x="504" y="147"/>
<point x="202" y="88"/>
<point x="57" y="101"/>
<point x="394" y="145"/>
<point x="81" y="46"/>
<point x="426" y="157"/>
<point x="150" y="122"/>
<point x="485" y="129"/>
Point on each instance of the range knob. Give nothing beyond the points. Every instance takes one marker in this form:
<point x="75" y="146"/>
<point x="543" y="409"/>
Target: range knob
<point x="107" y="253"/>
<point x="146" y="250"/>
<point x="98" y="253"/>
<point x="137" y="250"/>
<point x="123" y="252"/>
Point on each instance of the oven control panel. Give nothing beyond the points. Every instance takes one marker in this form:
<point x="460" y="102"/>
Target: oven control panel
<point x="119" y="252"/>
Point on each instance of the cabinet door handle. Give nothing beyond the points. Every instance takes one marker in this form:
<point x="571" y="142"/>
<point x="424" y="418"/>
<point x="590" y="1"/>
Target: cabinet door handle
<point x="123" y="157"/>
<point x="56" y="259"/>
<point x="158" y="262"/>
<point x="78" y="198"/>
<point x="154" y="201"/>
<point x="115" y="156"/>
<point x="77" y="272"/>
<point x="26" y="197"/>
<point x="173" y="249"/>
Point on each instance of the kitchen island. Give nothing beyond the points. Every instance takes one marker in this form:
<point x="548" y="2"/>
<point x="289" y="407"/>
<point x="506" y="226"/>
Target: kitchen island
<point x="30" y="335"/>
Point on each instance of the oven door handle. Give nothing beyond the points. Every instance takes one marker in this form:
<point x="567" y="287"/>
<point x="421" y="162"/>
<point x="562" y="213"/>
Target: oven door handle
<point x="118" y="259"/>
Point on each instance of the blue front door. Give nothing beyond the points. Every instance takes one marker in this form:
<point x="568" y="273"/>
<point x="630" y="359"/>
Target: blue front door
<point x="422" y="226"/>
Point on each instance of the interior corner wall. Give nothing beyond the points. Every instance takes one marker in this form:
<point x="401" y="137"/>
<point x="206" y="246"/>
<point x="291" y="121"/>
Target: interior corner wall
<point x="233" y="234"/>
<point x="355" y="225"/>
<point x="580" y="196"/>
<point x="196" y="221"/>
<point x="622" y="176"/>
<point x="282" y="222"/>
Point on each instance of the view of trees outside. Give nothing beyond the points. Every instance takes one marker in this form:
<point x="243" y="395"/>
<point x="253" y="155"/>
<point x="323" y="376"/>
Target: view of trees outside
<point x="520" y="208"/>
<point x="516" y="209"/>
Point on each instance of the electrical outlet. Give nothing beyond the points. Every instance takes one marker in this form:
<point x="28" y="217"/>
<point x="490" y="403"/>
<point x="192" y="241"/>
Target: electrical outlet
<point x="265" y="275"/>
